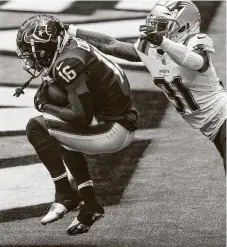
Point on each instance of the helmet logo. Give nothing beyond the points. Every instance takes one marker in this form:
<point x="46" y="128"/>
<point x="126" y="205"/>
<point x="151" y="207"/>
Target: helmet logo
<point x="37" y="32"/>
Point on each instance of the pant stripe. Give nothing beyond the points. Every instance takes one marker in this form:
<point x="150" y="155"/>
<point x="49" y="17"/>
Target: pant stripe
<point x="89" y="131"/>
<point x="85" y="184"/>
<point x="60" y="177"/>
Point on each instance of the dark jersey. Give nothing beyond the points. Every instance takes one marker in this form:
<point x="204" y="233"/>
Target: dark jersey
<point x="105" y="80"/>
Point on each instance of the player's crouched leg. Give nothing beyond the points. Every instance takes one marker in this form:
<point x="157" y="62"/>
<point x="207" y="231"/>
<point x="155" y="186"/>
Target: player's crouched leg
<point x="220" y="142"/>
<point x="96" y="139"/>
<point x="49" y="152"/>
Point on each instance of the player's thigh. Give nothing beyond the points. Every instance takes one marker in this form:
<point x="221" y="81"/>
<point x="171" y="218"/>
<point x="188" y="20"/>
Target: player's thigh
<point x="95" y="139"/>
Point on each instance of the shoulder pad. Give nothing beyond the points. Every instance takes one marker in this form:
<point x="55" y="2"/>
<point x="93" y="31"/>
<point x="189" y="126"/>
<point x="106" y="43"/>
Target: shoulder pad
<point x="200" y="41"/>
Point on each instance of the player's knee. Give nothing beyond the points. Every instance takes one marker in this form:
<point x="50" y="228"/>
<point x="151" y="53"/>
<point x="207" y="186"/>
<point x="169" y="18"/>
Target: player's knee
<point x="34" y="129"/>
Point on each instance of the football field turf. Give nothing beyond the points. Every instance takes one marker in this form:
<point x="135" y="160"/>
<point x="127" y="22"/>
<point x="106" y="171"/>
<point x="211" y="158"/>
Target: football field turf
<point x="167" y="189"/>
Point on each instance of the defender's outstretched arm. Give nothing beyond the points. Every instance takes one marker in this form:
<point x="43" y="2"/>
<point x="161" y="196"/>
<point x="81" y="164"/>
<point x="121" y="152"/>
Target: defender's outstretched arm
<point x="185" y="57"/>
<point x="106" y="44"/>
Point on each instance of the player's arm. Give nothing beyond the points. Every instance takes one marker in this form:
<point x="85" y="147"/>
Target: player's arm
<point x="42" y="104"/>
<point x="187" y="56"/>
<point x="80" y="100"/>
<point x="80" y="109"/>
<point x="193" y="54"/>
<point x="184" y="56"/>
<point x="65" y="113"/>
<point x="106" y="44"/>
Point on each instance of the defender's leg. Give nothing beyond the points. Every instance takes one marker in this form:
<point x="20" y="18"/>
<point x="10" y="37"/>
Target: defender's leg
<point x="220" y="142"/>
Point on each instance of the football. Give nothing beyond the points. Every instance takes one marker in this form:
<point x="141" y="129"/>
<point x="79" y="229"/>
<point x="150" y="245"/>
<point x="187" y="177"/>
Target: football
<point x="56" y="96"/>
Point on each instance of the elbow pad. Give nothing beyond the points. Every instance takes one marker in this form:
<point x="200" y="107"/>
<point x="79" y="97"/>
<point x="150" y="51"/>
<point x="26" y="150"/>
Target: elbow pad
<point x="182" y="55"/>
<point x="193" y="61"/>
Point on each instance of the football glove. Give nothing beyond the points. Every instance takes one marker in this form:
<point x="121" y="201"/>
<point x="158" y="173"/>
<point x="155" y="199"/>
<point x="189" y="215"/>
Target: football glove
<point x="149" y="34"/>
<point x="41" y="97"/>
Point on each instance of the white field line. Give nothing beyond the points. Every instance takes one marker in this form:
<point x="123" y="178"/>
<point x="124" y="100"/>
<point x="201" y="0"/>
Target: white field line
<point x="7" y="98"/>
<point x="16" y="119"/>
<point x="25" y="186"/>
<point x="37" y="5"/>
<point x="142" y="5"/>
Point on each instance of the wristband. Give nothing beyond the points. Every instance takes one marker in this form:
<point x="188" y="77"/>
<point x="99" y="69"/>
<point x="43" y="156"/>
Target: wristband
<point x="165" y="44"/>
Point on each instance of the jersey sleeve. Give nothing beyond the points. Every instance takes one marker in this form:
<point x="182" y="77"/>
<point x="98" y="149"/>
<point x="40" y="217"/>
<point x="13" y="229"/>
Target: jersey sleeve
<point x="67" y="70"/>
<point x="69" y="74"/>
<point x="200" y="42"/>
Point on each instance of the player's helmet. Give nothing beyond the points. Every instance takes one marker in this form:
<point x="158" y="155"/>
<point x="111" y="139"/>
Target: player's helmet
<point x="39" y="40"/>
<point x="179" y="19"/>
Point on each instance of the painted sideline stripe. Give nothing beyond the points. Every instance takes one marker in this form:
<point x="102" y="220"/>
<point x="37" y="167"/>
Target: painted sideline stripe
<point x="16" y="119"/>
<point x="143" y="5"/>
<point x="25" y="185"/>
<point x="37" y="5"/>
<point x="9" y="150"/>
<point x="7" y="98"/>
<point x="117" y="29"/>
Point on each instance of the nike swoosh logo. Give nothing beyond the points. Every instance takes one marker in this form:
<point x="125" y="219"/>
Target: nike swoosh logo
<point x="59" y="66"/>
<point x="201" y="37"/>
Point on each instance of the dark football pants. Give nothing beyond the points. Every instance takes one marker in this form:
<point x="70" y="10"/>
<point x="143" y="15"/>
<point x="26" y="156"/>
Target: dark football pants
<point x="220" y="142"/>
<point x="95" y="139"/>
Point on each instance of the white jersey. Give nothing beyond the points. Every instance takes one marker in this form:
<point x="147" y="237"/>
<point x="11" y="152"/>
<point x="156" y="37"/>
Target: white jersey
<point x="199" y="97"/>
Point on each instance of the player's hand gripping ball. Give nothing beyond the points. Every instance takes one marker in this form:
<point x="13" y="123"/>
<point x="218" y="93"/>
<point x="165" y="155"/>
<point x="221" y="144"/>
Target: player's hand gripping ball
<point x="41" y="97"/>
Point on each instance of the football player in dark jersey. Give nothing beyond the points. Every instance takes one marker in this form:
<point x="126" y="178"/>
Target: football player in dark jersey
<point x="95" y="87"/>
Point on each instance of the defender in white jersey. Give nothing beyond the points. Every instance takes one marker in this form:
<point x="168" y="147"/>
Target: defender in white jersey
<point x="178" y="58"/>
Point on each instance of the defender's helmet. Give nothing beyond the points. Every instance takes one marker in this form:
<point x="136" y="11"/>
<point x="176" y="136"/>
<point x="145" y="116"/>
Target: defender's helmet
<point x="179" y="19"/>
<point x="39" y="40"/>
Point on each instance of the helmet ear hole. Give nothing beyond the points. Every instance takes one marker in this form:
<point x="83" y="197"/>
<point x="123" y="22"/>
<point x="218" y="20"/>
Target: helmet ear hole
<point x="42" y="53"/>
<point x="182" y="29"/>
<point x="185" y="27"/>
